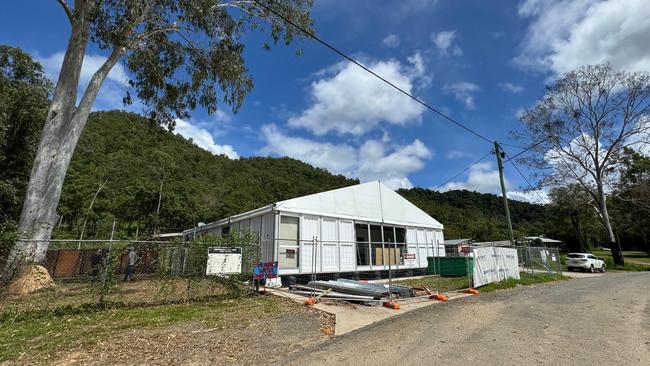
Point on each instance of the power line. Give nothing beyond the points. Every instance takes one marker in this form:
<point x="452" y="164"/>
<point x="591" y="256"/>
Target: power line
<point x="526" y="179"/>
<point x="466" y="169"/>
<point x="326" y="44"/>
<point x="526" y="149"/>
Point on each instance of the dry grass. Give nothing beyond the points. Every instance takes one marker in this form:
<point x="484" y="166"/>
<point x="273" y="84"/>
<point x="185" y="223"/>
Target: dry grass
<point x="145" y="292"/>
<point x="220" y="332"/>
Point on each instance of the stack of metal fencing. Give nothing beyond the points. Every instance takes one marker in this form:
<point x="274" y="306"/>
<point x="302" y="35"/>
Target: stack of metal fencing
<point x="352" y="290"/>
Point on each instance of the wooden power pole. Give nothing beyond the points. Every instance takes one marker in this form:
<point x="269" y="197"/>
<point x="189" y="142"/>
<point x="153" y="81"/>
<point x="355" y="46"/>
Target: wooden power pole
<point x="497" y="151"/>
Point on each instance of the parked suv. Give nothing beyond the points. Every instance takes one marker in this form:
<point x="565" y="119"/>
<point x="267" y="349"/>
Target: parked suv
<point x="585" y="262"/>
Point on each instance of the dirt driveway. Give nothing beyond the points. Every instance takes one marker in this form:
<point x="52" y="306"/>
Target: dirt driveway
<point x="602" y="320"/>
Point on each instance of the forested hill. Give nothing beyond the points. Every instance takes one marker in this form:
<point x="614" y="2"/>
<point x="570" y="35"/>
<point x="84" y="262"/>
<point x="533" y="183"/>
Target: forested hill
<point x="480" y="216"/>
<point x="134" y="157"/>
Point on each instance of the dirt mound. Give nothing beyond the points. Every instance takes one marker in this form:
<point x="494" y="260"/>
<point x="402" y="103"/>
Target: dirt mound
<point x="33" y="279"/>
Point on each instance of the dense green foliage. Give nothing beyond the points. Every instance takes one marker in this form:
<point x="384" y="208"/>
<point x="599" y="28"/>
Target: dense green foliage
<point x="475" y="215"/>
<point x="24" y="93"/>
<point x="134" y="156"/>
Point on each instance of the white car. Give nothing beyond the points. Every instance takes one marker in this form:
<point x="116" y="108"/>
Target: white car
<point x="585" y="262"/>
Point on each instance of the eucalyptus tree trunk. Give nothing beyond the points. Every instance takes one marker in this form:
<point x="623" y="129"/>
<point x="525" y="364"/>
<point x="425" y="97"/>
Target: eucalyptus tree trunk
<point x="614" y="245"/>
<point x="63" y="127"/>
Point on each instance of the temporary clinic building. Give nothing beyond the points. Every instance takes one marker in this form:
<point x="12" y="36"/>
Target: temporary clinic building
<point x="366" y="227"/>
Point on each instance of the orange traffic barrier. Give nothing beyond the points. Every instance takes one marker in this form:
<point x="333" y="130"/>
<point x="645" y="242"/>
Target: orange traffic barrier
<point x="439" y="297"/>
<point x="472" y="291"/>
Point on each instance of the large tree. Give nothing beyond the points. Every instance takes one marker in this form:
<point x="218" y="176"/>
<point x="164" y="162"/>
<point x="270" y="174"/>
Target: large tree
<point x="585" y="121"/>
<point x="24" y="92"/>
<point x="180" y="54"/>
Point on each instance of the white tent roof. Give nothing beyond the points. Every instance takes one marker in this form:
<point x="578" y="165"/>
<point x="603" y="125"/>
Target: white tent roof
<point x="372" y="201"/>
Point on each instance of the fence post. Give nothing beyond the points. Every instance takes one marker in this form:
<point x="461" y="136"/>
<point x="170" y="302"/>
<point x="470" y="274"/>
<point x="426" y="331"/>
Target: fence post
<point x="313" y="265"/>
<point x="390" y="274"/>
<point x="469" y="275"/>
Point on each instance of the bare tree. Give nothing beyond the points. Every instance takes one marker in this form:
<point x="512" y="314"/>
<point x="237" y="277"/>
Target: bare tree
<point x="180" y="54"/>
<point x="586" y="119"/>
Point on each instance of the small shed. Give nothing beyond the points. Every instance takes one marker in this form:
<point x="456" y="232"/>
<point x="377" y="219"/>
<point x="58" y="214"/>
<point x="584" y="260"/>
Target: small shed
<point x="457" y="247"/>
<point x="541" y="241"/>
<point x="365" y="227"/>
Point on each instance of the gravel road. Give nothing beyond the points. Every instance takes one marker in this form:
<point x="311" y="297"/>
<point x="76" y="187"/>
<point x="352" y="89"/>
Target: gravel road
<point x="602" y="320"/>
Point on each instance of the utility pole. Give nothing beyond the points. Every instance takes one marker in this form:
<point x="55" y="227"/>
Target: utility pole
<point x="499" y="154"/>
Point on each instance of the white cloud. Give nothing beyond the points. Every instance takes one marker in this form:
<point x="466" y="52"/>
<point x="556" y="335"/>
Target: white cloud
<point x="444" y="42"/>
<point x="391" y="167"/>
<point x="52" y="66"/>
<point x="355" y="102"/>
<point x="512" y="88"/>
<point x="372" y="160"/>
<point x="463" y="92"/>
<point x="520" y="113"/>
<point x="113" y="88"/>
<point x="566" y="34"/>
<point x="203" y="139"/>
<point x="484" y="178"/>
<point x="456" y="154"/>
<point x="391" y="41"/>
<point x="537" y="196"/>
<point x="336" y="158"/>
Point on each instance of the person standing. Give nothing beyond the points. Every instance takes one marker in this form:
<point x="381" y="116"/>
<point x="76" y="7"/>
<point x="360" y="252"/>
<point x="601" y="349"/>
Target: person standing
<point x="96" y="263"/>
<point x="131" y="260"/>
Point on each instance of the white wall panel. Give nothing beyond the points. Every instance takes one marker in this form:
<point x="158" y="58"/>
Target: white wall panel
<point x="267" y="237"/>
<point x="348" y="258"/>
<point x="441" y="242"/>
<point x="432" y="246"/>
<point x="330" y="244"/>
<point x="423" y="249"/>
<point x="256" y="226"/>
<point x="244" y="226"/>
<point x="309" y="228"/>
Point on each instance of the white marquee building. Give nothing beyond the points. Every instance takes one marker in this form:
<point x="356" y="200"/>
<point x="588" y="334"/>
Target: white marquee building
<point x="360" y="228"/>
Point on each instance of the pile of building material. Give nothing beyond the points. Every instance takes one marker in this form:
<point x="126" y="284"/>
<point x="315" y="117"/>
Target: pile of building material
<point x="350" y="290"/>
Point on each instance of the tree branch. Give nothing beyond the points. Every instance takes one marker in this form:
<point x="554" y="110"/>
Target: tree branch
<point x="67" y="10"/>
<point x="95" y="84"/>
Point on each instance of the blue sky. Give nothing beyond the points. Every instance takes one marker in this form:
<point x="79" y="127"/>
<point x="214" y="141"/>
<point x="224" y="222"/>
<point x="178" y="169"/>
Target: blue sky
<point x="480" y="62"/>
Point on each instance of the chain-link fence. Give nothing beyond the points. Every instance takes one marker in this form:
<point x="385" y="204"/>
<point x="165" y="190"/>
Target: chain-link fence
<point x="539" y="260"/>
<point x="88" y="272"/>
<point x="157" y="272"/>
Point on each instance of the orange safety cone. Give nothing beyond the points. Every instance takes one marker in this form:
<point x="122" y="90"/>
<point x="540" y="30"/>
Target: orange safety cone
<point x="439" y="297"/>
<point x="472" y="291"/>
<point x="392" y="305"/>
<point x="310" y="301"/>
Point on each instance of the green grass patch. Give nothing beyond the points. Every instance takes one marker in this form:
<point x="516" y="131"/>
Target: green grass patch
<point x="437" y="283"/>
<point x="642" y="257"/>
<point x="40" y="337"/>
<point x="526" y="279"/>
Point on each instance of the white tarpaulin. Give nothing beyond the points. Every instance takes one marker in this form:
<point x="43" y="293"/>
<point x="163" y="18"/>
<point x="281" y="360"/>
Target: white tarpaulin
<point x="494" y="264"/>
